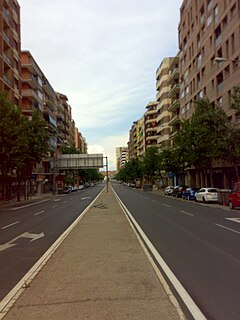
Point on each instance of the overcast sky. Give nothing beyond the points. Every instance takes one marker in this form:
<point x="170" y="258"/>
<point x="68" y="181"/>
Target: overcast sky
<point x="102" y="54"/>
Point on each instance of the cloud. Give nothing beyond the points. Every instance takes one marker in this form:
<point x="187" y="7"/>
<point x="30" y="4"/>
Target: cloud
<point x="108" y="148"/>
<point x="103" y="54"/>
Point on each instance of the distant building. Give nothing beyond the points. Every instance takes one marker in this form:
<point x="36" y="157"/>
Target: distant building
<point x="121" y="157"/>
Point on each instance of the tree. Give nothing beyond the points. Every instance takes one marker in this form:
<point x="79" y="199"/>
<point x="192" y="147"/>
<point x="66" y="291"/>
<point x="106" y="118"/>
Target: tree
<point x="203" y="139"/>
<point x="151" y="163"/>
<point x="22" y="141"/>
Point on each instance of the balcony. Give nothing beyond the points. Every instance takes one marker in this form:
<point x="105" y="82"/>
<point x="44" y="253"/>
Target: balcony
<point x="174" y="91"/>
<point x="6" y="16"/>
<point x="173" y="76"/>
<point x="6" y="38"/>
<point x="174" y="105"/>
<point x="175" y="119"/>
<point x="7" y="80"/>
<point x="151" y="129"/>
<point x="30" y="93"/>
<point x="6" y="59"/>
<point x="31" y="80"/>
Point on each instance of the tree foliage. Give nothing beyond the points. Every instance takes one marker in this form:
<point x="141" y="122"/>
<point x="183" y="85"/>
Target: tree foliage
<point x="22" y="141"/>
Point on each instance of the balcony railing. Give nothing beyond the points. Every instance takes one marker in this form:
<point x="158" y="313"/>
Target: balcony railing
<point x="174" y="90"/>
<point x="6" y="38"/>
<point x="174" y="120"/>
<point x="7" y="80"/>
<point x="6" y="59"/>
<point x="174" y="105"/>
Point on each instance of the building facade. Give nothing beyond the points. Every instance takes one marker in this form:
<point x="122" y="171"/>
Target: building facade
<point x="209" y="33"/>
<point x="121" y="157"/>
<point x="150" y="124"/>
<point x="163" y="90"/>
<point x="10" y="50"/>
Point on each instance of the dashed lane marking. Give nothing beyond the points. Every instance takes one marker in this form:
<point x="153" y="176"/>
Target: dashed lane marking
<point x="187" y="213"/>
<point x="10" y="225"/>
<point x="36" y="214"/>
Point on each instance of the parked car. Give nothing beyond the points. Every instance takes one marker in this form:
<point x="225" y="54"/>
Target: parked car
<point x="178" y="191"/>
<point x="207" y="195"/>
<point x="168" y="191"/>
<point x="234" y="196"/>
<point x="189" y="193"/>
<point x="80" y="187"/>
<point x="147" y="187"/>
<point x="65" y="190"/>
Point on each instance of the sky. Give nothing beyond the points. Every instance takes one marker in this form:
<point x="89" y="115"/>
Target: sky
<point x="103" y="55"/>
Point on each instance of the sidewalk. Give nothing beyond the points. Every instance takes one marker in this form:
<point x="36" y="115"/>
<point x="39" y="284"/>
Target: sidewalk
<point x="100" y="271"/>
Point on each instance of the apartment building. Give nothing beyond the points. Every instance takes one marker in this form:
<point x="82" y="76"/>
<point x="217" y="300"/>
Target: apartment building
<point x="80" y="142"/>
<point x="121" y="157"/>
<point x="163" y="89"/>
<point x="150" y="124"/>
<point x="10" y="50"/>
<point x="137" y="143"/>
<point x="174" y="107"/>
<point x="66" y="132"/>
<point x="209" y="62"/>
<point x="209" y="29"/>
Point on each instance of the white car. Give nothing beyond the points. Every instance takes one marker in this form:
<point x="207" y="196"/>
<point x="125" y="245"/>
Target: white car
<point x="168" y="191"/>
<point x="207" y="195"/>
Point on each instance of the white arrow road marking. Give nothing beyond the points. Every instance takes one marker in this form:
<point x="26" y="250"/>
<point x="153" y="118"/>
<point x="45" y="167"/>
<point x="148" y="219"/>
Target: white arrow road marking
<point x="32" y="236"/>
<point x="219" y="225"/>
<point x="234" y="219"/>
<point x="9" y="225"/>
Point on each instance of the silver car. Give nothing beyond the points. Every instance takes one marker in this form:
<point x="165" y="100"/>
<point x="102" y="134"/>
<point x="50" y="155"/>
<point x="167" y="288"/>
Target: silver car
<point x="168" y="191"/>
<point x="207" y="195"/>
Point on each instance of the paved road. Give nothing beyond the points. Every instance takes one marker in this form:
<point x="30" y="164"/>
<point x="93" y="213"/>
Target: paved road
<point x="31" y="229"/>
<point x="200" y="243"/>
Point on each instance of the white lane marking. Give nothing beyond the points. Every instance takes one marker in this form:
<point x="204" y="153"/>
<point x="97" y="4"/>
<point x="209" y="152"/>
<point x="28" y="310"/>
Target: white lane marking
<point x="9" y="225"/>
<point x="154" y="201"/>
<point x="54" y="206"/>
<point x="166" y="205"/>
<point x="234" y="219"/>
<point x="28" y="205"/>
<point x="35" y="214"/>
<point x="55" y="200"/>
<point x="219" y="225"/>
<point x="65" y="201"/>
<point x="187" y="213"/>
<point x="186" y="298"/>
<point x="9" y="300"/>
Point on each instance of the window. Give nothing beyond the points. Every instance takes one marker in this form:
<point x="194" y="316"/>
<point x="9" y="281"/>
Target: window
<point x="220" y="102"/>
<point x="227" y="49"/>
<point x="233" y="43"/>
<point x="215" y="12"/>
<point x="233" y="10"/>
<point x="209" y="5"/>
<point x="209" y="20"/>
<point x="225" y="22"/>
<point x="226" y="71"/>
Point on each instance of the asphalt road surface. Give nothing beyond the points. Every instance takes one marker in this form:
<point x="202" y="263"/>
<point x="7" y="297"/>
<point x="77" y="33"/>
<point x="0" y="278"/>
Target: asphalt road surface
<point x="200" y="243"/>
<point x="26" y="232"/>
